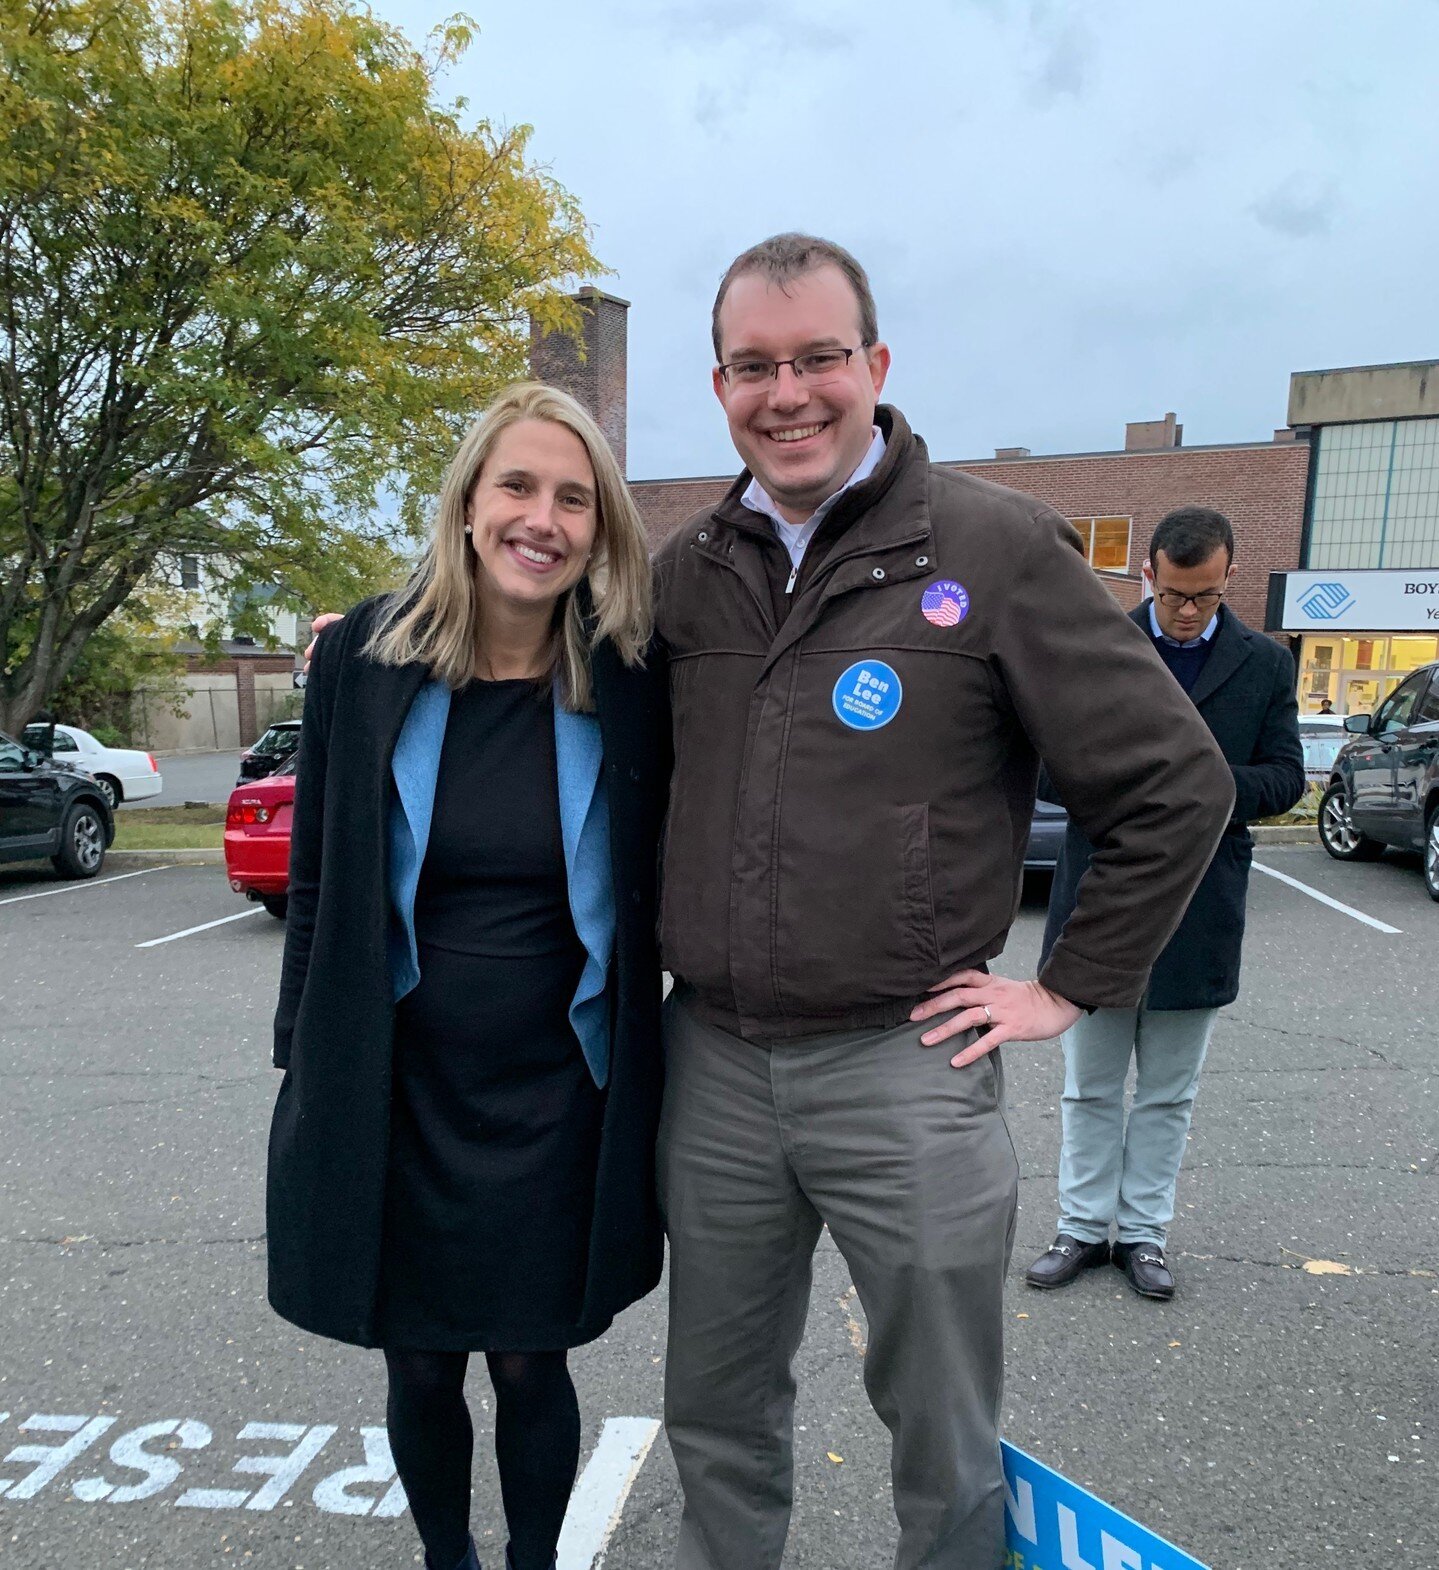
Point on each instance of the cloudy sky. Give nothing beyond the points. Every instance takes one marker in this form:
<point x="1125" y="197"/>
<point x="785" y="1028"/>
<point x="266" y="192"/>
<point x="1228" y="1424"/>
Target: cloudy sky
<point x="1074" y="214"/>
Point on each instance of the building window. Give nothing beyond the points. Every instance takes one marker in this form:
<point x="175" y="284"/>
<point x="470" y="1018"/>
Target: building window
<point x="1106" y="542"/>
<point x="1376" y="495"/>
<point x="189" y="572"/>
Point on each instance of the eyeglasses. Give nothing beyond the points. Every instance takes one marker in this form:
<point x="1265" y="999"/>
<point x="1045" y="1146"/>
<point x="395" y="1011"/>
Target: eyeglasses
<point x="816" y="367"/>
<point x="1175" y="601"/>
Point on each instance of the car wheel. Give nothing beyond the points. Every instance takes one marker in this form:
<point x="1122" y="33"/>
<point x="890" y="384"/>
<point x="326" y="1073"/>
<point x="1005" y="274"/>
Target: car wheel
<point x="1337" y="833"/>
<point x="276" y="904"/>
<point x="1431" y="854"/>
<point x="110" y="789"/>
<point x="82" y="843"/>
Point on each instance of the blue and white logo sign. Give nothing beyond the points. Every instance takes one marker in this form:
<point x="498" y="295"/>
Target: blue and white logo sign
<point x="1326" y="602"/>
<point x="868" y="695"/>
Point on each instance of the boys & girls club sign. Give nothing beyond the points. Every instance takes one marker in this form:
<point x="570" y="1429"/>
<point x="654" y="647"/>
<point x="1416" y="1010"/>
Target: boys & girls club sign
<point x="1371" y="600"/>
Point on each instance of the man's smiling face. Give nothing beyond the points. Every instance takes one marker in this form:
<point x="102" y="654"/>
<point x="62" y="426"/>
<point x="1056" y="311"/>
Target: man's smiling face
<point x="799" y="440"/>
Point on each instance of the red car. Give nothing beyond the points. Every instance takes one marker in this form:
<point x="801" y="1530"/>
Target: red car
<point x="257" y="838"/>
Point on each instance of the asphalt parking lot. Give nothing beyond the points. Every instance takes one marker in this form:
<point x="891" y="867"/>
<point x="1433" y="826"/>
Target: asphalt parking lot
<point x="1271" y="1415"/>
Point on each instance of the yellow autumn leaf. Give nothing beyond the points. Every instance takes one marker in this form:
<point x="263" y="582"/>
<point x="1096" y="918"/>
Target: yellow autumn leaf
<point x="1175" y="1343"/>
<point x="838" y="1460"/>
<point x="1325" y="1267"/>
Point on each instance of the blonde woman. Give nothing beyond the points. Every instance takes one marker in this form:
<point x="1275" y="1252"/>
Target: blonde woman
<point x="461" y="1158"/>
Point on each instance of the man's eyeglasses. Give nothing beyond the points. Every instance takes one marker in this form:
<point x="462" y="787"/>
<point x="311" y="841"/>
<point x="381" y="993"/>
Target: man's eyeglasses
<point x="819" y="365"/>
<point x="1175" y="601"/>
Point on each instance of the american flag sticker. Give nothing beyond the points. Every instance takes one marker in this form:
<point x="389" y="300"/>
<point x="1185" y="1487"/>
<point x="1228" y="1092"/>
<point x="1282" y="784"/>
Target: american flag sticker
<point x="945" y="603"/>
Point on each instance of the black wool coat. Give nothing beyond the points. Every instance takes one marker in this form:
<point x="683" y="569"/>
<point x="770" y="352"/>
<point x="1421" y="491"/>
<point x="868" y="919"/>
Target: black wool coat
<point x="1246" y="696"/>
<point x="334" y="1024"/>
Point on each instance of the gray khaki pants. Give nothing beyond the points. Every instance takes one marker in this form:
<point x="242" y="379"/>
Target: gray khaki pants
<point x="910" y="1164"/>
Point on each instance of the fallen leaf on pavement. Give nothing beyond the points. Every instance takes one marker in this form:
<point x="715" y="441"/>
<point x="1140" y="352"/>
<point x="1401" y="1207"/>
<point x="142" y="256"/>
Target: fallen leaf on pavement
<point x="1325" y="1267"/>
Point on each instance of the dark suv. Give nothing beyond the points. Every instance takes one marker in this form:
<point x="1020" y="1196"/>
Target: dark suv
<point x="50" y="809"/>
<point x="1384" y="789"/>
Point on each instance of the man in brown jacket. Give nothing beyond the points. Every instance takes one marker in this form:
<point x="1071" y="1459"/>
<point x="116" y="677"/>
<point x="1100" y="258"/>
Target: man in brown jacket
<point x="869" y="656"/>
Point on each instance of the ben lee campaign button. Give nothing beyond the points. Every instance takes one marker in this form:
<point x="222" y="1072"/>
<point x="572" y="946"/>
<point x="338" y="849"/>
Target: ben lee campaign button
<point x="868" y="695"/>
<point x="945" y="603"/>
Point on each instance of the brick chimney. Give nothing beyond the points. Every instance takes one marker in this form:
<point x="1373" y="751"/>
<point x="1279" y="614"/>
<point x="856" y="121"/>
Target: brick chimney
<point x="1000" y="453"/>
<point x="1153" y="435"/>
<point x="592" y="370"/>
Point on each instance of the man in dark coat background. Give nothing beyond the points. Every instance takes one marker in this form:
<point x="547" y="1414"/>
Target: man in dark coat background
<point x="1114" y="1173"/>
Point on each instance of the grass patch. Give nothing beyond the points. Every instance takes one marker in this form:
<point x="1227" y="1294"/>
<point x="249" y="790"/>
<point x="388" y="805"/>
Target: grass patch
<point x="139" y="831"/>
<point x="191" y="812"/>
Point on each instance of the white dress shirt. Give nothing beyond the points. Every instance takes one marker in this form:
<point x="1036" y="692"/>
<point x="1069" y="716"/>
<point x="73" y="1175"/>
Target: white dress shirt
<point x="796" y="536"/>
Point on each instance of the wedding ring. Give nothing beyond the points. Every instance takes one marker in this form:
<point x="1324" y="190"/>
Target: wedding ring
<point x="988" y="1017"/>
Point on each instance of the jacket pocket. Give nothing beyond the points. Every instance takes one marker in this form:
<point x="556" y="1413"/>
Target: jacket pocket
<point x="854" y="912"/>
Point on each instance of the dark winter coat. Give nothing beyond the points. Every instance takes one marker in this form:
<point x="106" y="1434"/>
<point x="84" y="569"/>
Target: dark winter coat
<point x="1246" y="696"/>
<point x="334" y="1024"/>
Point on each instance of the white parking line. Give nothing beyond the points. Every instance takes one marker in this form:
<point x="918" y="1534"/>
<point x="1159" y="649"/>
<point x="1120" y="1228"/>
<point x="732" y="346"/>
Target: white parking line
<point x="90" y="883"/>
<point x="255" y="910"/>
<point x="1324" y="899"/>
<point x="599" y="1497"/>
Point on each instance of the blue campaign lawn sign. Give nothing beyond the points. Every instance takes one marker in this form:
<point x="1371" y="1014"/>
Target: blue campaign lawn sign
<point x="1053" y="1524"/>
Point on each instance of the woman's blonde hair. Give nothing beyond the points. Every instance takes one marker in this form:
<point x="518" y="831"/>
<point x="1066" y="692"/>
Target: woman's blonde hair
<point x="435" y="620"/>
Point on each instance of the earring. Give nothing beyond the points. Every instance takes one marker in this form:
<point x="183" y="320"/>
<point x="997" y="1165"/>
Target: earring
<point x="468" y="529"/>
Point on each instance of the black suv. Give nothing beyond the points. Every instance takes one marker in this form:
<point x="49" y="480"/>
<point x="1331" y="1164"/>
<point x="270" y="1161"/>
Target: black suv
<point x="51" y="809"/>
<point x="277" y="744"/>
<point x="1384" y="789"/>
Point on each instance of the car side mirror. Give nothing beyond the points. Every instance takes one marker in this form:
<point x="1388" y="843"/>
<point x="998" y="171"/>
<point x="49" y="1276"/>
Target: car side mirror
<point x="1358" y="723"/>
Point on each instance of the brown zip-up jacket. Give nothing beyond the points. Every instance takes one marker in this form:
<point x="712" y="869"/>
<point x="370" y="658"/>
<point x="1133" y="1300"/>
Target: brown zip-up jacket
<point x="854" y="779"/>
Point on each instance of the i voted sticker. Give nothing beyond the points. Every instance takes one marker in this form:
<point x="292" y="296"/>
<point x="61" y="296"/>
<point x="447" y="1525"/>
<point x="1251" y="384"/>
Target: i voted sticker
<point x="945" y="603"/>
<point x="868" y="695"/>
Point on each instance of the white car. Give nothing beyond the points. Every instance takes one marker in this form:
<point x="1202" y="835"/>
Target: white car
<point x="1321" y="736"/>
<point x="122" y="773"/>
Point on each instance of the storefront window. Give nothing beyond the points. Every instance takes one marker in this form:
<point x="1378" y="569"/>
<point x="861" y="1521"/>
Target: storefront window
<point x="1357" y="674"/>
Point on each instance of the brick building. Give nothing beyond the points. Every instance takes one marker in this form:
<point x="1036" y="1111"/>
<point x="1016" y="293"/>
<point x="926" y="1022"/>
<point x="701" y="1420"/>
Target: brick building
<point x="1336" y="516"/>
<point x="1115" y="499"/>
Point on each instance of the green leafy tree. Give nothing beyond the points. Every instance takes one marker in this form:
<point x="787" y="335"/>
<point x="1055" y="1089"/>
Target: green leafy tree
<point x="251" y="271"/>
<point x="134" y="652"/>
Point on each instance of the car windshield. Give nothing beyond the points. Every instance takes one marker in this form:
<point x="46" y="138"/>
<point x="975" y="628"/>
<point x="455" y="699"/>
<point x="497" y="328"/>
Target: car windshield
<point x="279" y="738"/>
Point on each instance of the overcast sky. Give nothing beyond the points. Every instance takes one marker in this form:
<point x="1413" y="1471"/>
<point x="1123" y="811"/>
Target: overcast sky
<point x="1073" y="214"/>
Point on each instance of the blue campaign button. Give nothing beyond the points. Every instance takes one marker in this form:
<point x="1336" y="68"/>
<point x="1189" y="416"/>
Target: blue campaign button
<point x="868" y="695"/>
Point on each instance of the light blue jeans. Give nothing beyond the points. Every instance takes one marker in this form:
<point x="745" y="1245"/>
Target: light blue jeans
<point x="1117" y="1173"/>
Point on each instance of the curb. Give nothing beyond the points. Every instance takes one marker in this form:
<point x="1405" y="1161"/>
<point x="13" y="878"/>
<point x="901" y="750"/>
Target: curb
<point x="1285" y="834"/>
<point x="165" y="858"/>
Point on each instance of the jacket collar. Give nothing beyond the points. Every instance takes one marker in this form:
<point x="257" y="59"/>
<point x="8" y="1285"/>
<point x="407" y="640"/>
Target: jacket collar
<point x="1231" y="645"/>
<point x="890" y="508"/>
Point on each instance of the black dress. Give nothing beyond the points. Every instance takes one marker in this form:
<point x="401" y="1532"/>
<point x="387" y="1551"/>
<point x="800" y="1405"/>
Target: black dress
<point x="495" y="1117"/>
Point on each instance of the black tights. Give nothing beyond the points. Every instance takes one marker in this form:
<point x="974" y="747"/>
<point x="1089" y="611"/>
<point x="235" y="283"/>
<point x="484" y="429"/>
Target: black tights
<point x="537" y="1448"/>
